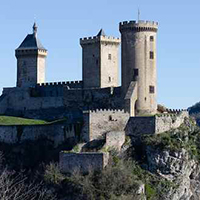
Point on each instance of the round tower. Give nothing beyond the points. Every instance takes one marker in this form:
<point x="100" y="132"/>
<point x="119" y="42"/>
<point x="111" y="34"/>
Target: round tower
<point x="139" y="63"/>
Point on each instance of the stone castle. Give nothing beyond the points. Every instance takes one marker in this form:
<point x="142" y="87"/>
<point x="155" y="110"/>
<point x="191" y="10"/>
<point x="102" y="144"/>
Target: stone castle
<point x="96" y="105"/>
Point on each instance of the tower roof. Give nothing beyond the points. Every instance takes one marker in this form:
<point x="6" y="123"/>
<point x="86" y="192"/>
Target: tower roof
<point x="31" y="41"/>
<point x="101" y="33"/>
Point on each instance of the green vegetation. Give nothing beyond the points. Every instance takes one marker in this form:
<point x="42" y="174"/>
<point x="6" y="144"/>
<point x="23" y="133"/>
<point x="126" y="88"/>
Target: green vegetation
<point x="9" y="120"/>
<point x="187" y="137"/>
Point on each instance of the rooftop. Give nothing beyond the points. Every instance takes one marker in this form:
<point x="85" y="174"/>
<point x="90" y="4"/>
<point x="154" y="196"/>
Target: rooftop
<point x="31" y="41"/>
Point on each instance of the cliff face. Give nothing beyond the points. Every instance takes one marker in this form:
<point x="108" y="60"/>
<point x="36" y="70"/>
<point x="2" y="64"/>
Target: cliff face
<point x="178" y="168"/>
<point x="174" y="156"/>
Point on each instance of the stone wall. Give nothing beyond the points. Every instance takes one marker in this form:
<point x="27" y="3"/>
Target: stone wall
<point x="155" y="124"/>
<point x="171" y="121"/>
<point x="57" y="133"/>
<point x="115" y="139"/>
<point x="54" y="89"/>
<point x="93" y="98"/>
<point x="140" y="125"/>
<point x="99" y="122"/>
<point x="19" y="100"/>
<point x="82" y="162"/>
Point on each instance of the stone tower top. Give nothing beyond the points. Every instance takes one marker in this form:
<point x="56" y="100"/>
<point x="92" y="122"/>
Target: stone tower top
<point x="101" y="33"/>
<point x="100" y="37"/>
<point x="30" y="56"/>
<point x="139" y="26"/>
<point x="31" y="42"/>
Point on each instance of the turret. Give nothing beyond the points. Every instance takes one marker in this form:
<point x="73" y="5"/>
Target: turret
<point x="31" y="57"/>
<point x="139" y="63"/>
<point x="100" y="61"/>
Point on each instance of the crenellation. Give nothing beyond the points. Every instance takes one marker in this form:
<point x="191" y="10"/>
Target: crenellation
<point x="97" y="100"/>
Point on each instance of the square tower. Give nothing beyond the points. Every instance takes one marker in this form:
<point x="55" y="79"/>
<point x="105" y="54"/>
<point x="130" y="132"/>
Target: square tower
<point x="100" y="61"/>
<point x="31" y="56"/>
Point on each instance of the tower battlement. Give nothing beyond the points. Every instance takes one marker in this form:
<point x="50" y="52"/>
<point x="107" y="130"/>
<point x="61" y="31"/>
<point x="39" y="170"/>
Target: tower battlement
<point x="140" y="25"/>
<point x="25" y="52"/>
<point x="88" y="40"/>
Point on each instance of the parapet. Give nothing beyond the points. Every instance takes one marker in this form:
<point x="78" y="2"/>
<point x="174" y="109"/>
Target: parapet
<point x="105" y="110"/>
<point x="175" y="111"/>
<point x="30" y="51"/>
<point x="60" y="83"/>
<point x="95" y="39"/>
<point x="139" y="26"/>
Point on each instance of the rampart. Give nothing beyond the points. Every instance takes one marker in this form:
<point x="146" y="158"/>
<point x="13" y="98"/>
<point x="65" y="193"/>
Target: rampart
<point x="155" y="124"/>
<point x="57" y="133"/>
<point x="139" y="26"/>
<point x="88" y="99"/>
<point x="90" y="40"/>
<point x="99" y="122"/>
<point x="82" y="162"/>
<point x="54" y="89"/>
<point x="18" y="101"/>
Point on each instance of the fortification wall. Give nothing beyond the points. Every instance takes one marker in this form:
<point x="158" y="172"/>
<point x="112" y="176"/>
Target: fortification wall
<point x="140" y="125"/>
<point x="115" y="139"/>
<point x="155" y="124"/>
<point x="99" y="122"/>
<point x="93" y="98"/>
<point x="166" y="122"/>
<point x="82" y="162"/>
<point x="54" y="89"/>
<point x="57" y="133"/>
<point x="20" y="101"/>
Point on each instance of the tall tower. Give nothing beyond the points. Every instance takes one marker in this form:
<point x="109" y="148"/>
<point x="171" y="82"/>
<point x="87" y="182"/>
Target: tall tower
<point x="100" y="61"/>
<point x="139" y="63"/>
<point x="31" y="57"/>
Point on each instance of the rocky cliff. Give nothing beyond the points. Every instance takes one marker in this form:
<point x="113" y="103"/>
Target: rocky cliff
<point x="175" y="156"/>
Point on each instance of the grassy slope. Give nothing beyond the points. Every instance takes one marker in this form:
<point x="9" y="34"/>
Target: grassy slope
<point x="8" y="120"/>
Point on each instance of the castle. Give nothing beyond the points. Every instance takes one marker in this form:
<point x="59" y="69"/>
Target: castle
<point x="137" y="95"/>
<point x="97" y="104"/>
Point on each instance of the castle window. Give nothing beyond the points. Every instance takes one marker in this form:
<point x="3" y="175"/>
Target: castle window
<point x="136" y="72"/>
<point x="110" y="118"/>
<point x="109" y="79"/>
<point x="151" y="89"/>
<point x="97" y="61"/>
<point x="109" y="56"/>
<point x="151" y="38"/>
<point x="151" y="55"/>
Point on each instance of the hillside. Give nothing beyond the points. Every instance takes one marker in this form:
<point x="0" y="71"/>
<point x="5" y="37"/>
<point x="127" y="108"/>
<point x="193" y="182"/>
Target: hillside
<point x="195" y="112"/>
<point x="152" y="167"/>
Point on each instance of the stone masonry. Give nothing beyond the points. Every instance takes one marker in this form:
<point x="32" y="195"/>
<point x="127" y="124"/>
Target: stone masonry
<point x="82" y="162"/>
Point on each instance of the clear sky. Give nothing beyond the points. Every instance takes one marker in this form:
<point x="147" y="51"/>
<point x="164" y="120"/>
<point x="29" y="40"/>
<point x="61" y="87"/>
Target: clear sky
<point x="62" y="22"/>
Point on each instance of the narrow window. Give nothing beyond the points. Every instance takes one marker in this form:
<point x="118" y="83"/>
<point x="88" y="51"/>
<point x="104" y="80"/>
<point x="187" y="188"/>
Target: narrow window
<point x="97" y="61"/>
<point x="109" y="79"/>
<point x="136" y="72"/>
<point x="109" y="56"/>
<point x="151" y="38"/>
<point x="151" y="55"/>
<point x="110" y="118"/>
<point x="151" y="89"/>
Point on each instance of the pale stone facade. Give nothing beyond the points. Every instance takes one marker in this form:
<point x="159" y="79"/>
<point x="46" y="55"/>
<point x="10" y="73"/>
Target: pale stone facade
<point x="99" y="122"/>
<point x="155" y="124"/>
<point x="139" y="63"/>
<point x="100" y="61"/>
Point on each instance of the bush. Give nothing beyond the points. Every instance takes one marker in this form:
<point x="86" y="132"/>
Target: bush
<point x="52" y="174"/>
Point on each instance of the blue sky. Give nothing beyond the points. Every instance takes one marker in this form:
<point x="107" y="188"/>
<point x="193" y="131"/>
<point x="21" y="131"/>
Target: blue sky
<point x="61" y="23"/>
